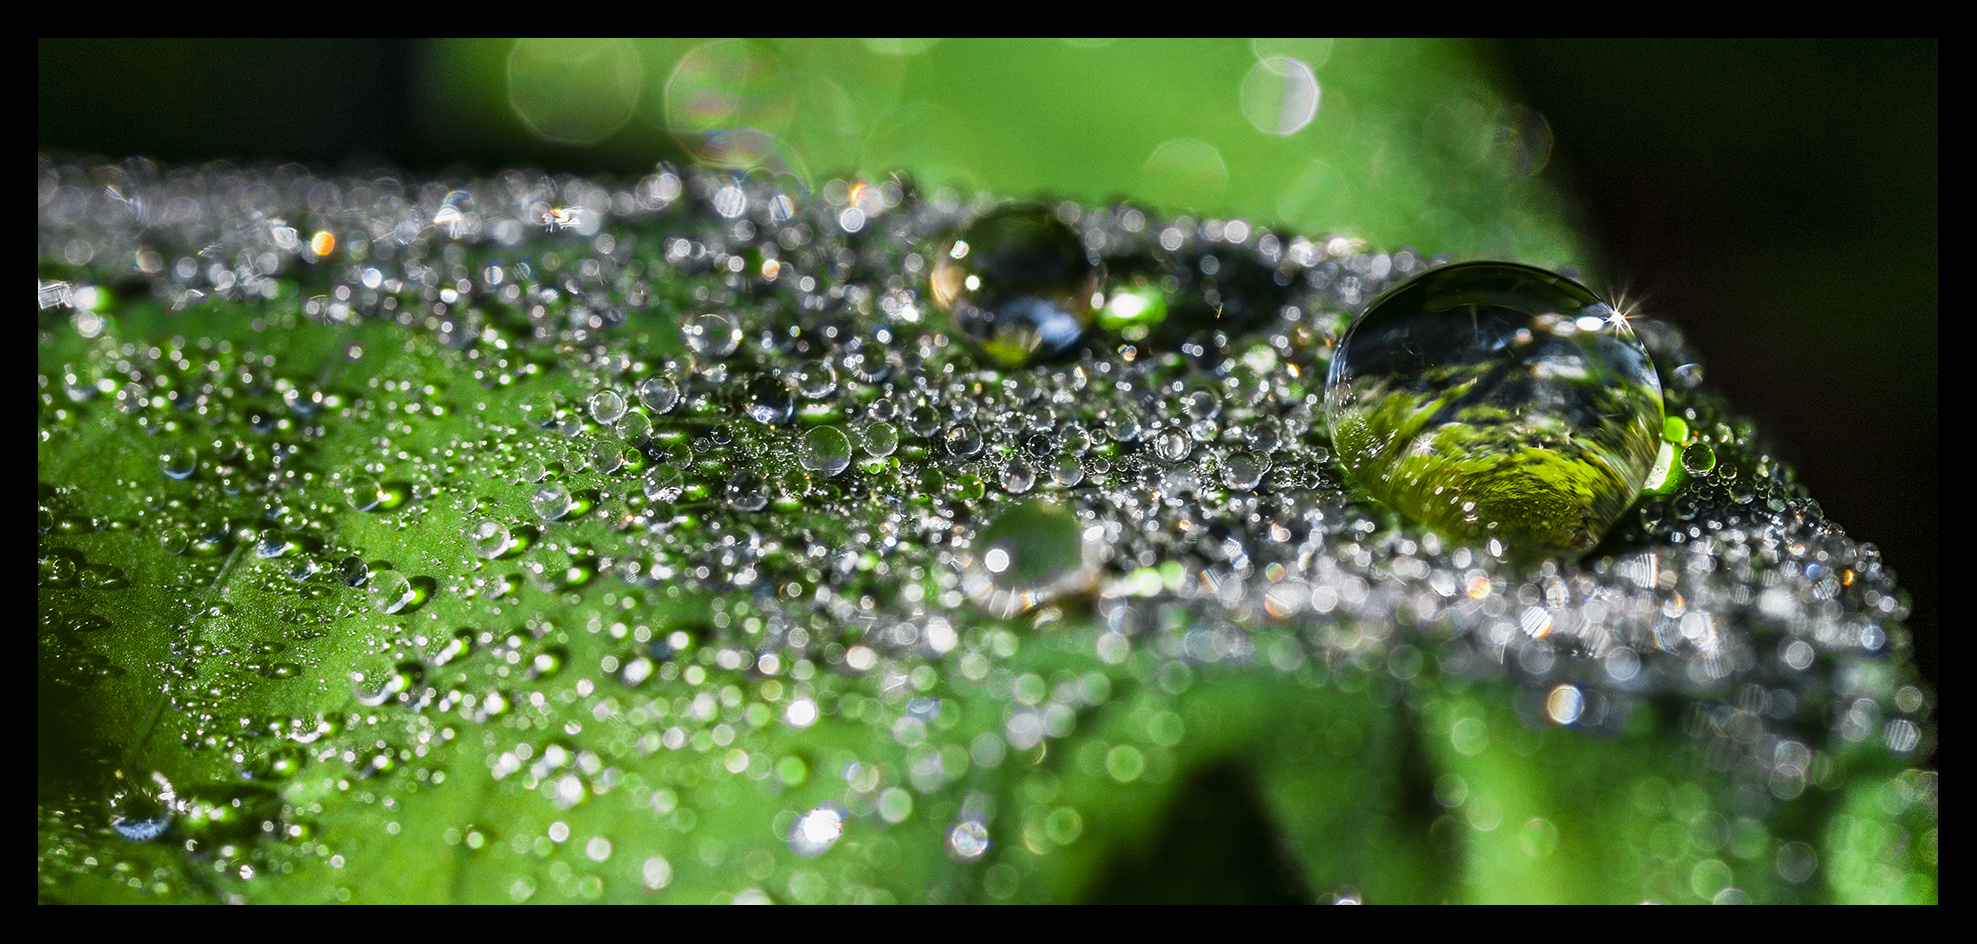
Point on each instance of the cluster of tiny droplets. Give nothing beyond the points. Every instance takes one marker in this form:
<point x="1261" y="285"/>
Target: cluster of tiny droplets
<point x="839" y="452"/>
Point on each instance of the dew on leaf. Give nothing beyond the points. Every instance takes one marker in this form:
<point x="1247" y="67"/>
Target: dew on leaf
<point x="490" y="539"/>
<point x="659" y="394"/>
<point x="713" y="335"/>
<point x="390" y="591"/>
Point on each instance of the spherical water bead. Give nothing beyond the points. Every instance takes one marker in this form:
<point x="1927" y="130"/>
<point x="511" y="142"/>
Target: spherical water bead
<point x="490" y="539"/>
<point x="664" y="483"/>
<point x="770" y="401"/>
<point x="1244" y="470"/>
<point x="1030" y="554"/>
<point x="361" y="492"/>
<point x="1018" y="477"/>
<point x="539" y="410"/>
<point x="713" y="335"/>
<point x="658" y="394"/>
<point x="923" y="421"/>
<point x="390" y="591"/>
<point x="825" y="449"/>
<point x="180" y="463"/>
<point x="1018" y="283"/>
<point x="816" y="379"/>
<point x="633" y="427"/>
<point x="606" y="406"/>
<point x="607" y="454"/>
<point x="1698" y="458"/>
<point x="879" y="439"/>
<point x="1491" y="400"/>
<point x="1172" y="444"/>
<point x="551" y="501"/>
<point x="964" y="441"/>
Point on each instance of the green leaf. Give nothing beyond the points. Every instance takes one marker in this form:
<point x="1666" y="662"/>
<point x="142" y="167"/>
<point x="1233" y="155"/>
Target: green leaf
<point x="775" y="686"/>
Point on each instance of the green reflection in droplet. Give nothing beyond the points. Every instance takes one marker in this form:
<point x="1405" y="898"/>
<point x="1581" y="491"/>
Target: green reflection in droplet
<point x="1497" y="401"/>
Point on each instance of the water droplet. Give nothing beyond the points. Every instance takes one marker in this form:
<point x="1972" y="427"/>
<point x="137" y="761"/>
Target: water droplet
<point x="552" y="501"/>
<point x="770" y="401"/>
<point x="1018" y="477"/>
<point x="745" y="493"/>
<point x="1698" y="458"/>
<point x="825" y="449"/>
<point x="664" y="483"/>
<point x="712" y="335"/>
<point x="490" y="539"/>
<point x="606" y="406"/>
<point x="879" y="439"/>
<point x="180" y="463"/>
<point x="607" y="454"/>
<point x="1497" y="401"/>
<point x="1243" y="471"/>
<point x="816" y="379"/>
<point x="1019" y="284"/>
<point x="539" y="410"/>
<point x="659" y="394"/>
<point x="1172" y="444"/>
<point x="361" y="491"/>
<point x="964" y="441"/>
<point x="1029" y="554"/>
<point x="967" y="838"/>
<point x="391" y="591"/>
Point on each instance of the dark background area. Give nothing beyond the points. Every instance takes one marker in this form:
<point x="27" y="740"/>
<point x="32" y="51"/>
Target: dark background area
<point x="1776" y="199"/>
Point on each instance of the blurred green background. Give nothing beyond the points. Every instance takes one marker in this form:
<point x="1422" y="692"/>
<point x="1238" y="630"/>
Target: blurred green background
<point x="1777" y="199"/>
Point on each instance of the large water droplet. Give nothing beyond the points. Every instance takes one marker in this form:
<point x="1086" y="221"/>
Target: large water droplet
<point x="1018" y="283"/>
<point x="711" y="335"/>
<point x="391" y="591"/>
<point x="1491" y="400"/>
<point x="825" y="449"/>
<point x="1030" y="554"/>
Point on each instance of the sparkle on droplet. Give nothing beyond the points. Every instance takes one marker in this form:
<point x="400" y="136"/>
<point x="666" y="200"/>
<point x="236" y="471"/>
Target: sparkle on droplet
<point x="1494" y="401"/>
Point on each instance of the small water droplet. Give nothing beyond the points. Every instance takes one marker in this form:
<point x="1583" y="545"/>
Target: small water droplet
<point x="964" y="441"/>
<point x="1243" y="471"/>
<point x="664" y="483"/>
<point x="1172" y="444"/>
<point x="180" y="463"/>
<point x="770" y="400"/>
<point x="879" y="439"/>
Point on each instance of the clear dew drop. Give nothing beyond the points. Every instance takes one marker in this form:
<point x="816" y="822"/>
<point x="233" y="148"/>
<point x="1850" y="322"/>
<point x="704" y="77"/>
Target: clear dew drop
<point x="1243" y="470"/>
<point x="770" y="400"/>
<point x="490" y="539"/>
<point x="659" y="394"/>
<point x="816" y="379"/>
<point x="551" y="501"/>
<point x="1172" y="444"/>
<point x="390" y="591"/>
<point x="180" y="463"/>
<point x="1499" y="402"/>
<point x="539" y="410"/>
<point x="964" y="441"/>
<point x="606" y="406"/>
<point x="1019" y="284"/>
<point x="879" y="439"/>
<point x="825" y="450"/>
<point x="713" y="335"/>
<point x="664" y="483"/>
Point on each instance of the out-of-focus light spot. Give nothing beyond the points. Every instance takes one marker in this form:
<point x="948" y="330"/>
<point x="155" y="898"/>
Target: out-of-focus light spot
<point x="1565" y="704"/>
<point x="322" y="243"/>
<point x="815" y="832"/>
<point x="1280" y="95"/>
<point x="967" y="839"/>
<point x="728" y="102"/>
<point x="1185" y="172"/>
<point x="1469" y="736"/>
<point x="801" y="713"/>
<point x="1523" y="143"/>
<point x="574" y="91"/>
